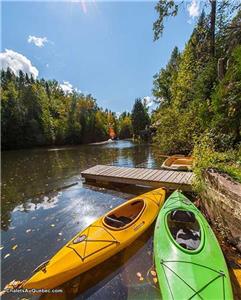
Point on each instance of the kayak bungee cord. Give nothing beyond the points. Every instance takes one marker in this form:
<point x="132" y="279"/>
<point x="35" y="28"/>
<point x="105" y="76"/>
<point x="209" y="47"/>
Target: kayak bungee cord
<point x="199" y="291"/>
<point x="193" y="263"/>
<point x="167" y="281"/>
<point x="220" y="275"/>
<point x="111" y="242"/>
<point x="163" y="265"/>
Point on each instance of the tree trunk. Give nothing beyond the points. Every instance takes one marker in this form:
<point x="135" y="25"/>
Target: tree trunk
<point x="212" y="27"/>
<point x="221" y="68"/>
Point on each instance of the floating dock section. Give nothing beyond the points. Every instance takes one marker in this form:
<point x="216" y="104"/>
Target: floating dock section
<point x="140" y="176"/>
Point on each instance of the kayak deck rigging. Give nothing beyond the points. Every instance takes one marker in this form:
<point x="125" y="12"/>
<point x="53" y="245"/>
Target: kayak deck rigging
<point x="86" y="241"/>
<point x="219" y="274"/>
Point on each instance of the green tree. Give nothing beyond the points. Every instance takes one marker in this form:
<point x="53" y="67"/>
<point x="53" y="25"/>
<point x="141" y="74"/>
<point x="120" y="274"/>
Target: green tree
<point x="163" y="79"/>
<point x="226" y="104"/>
<point x="220" y="13"/>
<point x="13" y="116"/>
<point x="189" y="88"/>
<point x="125" y="126"/>
<point x="74" y="127"/>
<point x="164" y="9"/>
<point x="38" y="112"/>
<point x="200" y="101"/>
<point x="140" y="117"/>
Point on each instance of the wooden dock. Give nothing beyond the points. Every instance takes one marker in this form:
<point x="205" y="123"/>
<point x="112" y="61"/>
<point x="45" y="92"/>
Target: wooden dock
<point x="139" y="176"/>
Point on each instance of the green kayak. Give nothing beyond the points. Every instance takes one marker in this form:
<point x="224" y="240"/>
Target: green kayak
<point x="189" y="261"/>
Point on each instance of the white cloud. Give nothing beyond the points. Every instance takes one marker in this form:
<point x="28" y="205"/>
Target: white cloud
<point x="37" y="41"/>
<point x="67" y="87"/>
<point x="118" y="114"/>
<point x="16" y="62"/>
<point x="148" y="101"/>
<point x="194" y="8"/>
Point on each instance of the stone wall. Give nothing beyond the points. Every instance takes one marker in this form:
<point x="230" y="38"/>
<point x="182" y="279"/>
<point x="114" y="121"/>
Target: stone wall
<point x="222" y="201"/>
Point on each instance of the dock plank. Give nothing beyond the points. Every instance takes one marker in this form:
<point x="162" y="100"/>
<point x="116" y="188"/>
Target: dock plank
<point x="135" y="173"/>
<point x="151" y="175"/>
<point x="143" y="174"/>
<point x="179" y="177"/>
<point x="189" y="178"/>
<point x="113" y="171"/>
<point x="173" y="176"/>
<point x="123" y="172"/>
<point x="183" y="178"/>
<point x="164" y="176"/>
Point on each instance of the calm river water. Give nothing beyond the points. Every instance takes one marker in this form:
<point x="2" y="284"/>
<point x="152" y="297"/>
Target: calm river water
<point x="39" y="216"/>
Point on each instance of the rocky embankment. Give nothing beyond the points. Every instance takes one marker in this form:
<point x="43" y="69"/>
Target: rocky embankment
<point x="222" y="201"/>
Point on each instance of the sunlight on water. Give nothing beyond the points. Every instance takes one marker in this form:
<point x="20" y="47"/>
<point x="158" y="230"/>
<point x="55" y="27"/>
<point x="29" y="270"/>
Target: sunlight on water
<point x="46" y="204"/>
<point x="40" y="219"/>
<point x="87" y="220"/>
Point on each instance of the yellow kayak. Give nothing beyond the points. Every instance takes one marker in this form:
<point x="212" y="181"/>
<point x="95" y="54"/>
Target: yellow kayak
<point x="105" y="237"/>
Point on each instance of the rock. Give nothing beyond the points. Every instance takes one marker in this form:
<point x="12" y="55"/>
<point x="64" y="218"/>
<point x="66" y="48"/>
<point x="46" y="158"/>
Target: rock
<point x="238" y="246"/>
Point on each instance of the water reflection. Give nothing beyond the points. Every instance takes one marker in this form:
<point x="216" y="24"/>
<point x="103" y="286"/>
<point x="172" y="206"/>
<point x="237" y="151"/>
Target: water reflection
<point x="31" y="175"/>
<point x="40" y="217"/>
<point x="47" y="203"/>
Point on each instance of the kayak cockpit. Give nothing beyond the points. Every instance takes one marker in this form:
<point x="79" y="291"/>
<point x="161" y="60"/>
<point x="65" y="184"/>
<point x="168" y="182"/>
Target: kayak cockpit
<point x="184" y="229"/>
<point x="124" y="215"/>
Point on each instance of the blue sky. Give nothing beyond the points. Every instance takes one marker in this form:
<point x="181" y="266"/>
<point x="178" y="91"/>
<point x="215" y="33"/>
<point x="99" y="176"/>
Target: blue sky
<point x="102" y="48"/>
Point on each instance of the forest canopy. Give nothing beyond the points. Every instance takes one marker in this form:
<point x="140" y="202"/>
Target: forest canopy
<point x="199" y="90"/>
<point x="38" y="112"/>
